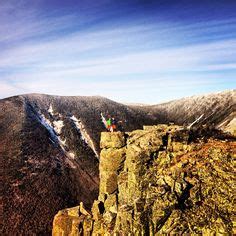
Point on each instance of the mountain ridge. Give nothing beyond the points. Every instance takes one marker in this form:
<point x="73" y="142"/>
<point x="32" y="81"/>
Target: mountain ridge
<point x="49" y="149"/>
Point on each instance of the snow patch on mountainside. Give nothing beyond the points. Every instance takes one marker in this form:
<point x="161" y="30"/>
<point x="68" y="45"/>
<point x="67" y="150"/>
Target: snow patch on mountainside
<point x="70" y="162"/>
<point x="58" y="125"/>
<point x="55" y="131"/>
<point x="223" y="123"/>
<point x="50" y="110"/>
<point x="48" y="125"/>
<point x="232" y="122"/>
<point x="80" y="128"/>
<point x="63" y="142"/>
<point x="199" y="118"/>
<point x="84" y="135"/>
<point x="71" y="154"/>
<point x="229" y="126"/>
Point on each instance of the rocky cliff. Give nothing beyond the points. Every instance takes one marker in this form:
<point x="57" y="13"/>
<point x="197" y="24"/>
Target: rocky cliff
<point x="49" y="156"/>
<point x="160" y="180"/>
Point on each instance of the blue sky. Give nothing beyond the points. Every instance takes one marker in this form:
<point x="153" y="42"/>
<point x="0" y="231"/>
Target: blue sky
<point x="137" y="51"/>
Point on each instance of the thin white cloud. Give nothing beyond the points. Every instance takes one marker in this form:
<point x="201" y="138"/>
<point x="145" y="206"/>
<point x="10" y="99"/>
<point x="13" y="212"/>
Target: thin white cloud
<point x="71" y="63"/>
<point x="156" y="89"/>
<point x="189" y="58"/>
<point x="7" y="89"/>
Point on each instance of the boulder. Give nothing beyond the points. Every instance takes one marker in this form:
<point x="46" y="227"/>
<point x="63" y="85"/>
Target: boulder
<point x="112" y="140"/>
<point x="108" y="184"/>
<point x="112" y="159"/>
<point x="66" y="222"/>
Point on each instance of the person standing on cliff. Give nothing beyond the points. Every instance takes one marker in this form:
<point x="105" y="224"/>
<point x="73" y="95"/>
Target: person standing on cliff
<point x="106" y="122"/>
<point x="113" y="124"/>
<point x="109" y="124"/>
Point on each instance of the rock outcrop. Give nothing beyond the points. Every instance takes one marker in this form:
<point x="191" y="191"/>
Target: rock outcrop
<point x="157" y="181"/>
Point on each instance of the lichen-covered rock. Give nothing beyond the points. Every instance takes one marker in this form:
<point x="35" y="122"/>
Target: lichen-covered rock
<point x="159" y="182"/>
<point x="97" y="210"/>
<point x="109" y="183"/>
<point x="112" y="140"/>
<point x="111" y="203"/>
<point x="66" y="222"/>
<point x="72" y="221"/>
<point x="112" y="159"/>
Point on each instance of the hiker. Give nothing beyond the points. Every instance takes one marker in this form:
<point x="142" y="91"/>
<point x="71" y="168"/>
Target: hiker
<point x="113" y="124"/>
<point x="108" y="123"/>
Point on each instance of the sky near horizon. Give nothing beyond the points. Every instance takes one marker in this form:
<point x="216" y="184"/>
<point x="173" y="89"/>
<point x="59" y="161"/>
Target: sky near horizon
<point x="134" y="51"/>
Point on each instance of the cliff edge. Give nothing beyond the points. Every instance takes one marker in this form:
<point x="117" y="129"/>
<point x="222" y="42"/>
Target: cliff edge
<point x="160" y="180"/>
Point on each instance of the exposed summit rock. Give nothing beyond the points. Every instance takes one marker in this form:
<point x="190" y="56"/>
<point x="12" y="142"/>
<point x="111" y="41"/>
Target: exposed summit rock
<point x="162" y="180"/>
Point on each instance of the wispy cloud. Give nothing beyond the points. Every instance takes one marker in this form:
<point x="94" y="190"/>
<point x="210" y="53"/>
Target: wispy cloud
<point x="72" y="54"/>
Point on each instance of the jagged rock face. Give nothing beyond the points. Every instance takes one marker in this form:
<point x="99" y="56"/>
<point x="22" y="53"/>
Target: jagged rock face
<point x="49" y="149"/>
<point x="155" y="181"/>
